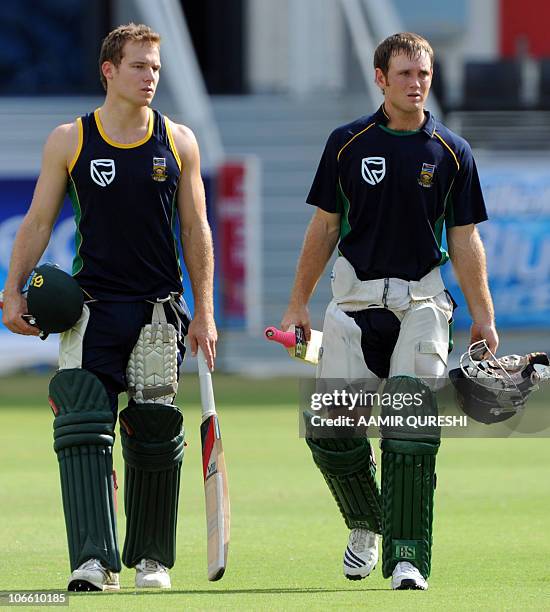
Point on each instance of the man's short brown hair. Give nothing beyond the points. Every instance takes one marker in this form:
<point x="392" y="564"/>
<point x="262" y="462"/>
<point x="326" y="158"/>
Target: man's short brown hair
<point x="112" y="47"/>
<point x="412" y="45"/>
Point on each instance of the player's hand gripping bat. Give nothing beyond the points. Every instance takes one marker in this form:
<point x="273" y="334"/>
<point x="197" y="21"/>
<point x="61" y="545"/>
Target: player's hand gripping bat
<point x="296" y="344"/>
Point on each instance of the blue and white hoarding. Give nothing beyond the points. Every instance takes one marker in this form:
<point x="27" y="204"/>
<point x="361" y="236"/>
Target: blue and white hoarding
<point x="517" y="244"/>
<point x="20" y="351"/>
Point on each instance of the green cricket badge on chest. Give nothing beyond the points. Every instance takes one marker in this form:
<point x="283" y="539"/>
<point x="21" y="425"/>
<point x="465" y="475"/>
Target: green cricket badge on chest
<point x="404" y="549"/>
<point x="427" y="173"/>
<point x="159" y="169"/>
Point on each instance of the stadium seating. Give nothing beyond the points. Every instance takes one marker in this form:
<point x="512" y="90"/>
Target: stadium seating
<point x="544" y="84"/>
<point x="492" y="85"/>
<point x="439" y="85"/>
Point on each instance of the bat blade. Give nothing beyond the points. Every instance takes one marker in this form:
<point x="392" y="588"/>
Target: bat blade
<point x="216" y="491"/>
<point x="216" y="498"/>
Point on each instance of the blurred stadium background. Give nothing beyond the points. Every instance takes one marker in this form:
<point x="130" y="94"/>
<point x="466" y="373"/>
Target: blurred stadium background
<point x="262" y="83"/>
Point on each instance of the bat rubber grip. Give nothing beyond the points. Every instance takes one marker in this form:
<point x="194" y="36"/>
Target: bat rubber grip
<point x="205" y="383"/>
<point x="287" y="339"/>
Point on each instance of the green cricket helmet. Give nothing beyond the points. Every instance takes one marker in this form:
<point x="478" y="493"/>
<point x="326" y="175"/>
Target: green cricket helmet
<point x="54" y="299"/>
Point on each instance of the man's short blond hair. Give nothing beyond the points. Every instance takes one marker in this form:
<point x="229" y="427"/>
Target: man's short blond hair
<point x="412" y="45"/>
<point x="112" y="47"/>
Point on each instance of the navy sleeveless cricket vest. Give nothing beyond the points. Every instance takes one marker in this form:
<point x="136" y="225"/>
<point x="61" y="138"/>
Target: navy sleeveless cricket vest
<point x="124" y="202"/>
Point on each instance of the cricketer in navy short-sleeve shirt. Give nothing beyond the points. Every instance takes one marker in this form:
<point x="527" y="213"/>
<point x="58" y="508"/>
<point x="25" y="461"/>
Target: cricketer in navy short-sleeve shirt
<point x="395" y="192"/>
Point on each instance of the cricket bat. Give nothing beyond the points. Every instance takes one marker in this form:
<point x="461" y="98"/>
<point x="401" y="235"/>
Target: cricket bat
<point x="294" y="340"/>
<point x="216" y="492"/>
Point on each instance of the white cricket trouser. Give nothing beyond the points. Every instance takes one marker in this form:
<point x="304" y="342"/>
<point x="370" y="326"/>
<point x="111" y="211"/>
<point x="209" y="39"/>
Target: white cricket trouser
<point x="423" y="308"/>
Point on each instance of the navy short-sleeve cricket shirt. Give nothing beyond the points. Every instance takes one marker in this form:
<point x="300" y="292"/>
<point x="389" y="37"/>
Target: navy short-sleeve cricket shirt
<point x="395" y="192"/>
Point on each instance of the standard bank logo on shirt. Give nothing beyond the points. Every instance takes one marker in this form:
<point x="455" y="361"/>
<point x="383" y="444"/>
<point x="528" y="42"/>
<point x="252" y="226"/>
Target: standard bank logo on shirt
<point x="102" y="171"/>
<point x="373" y="169"/>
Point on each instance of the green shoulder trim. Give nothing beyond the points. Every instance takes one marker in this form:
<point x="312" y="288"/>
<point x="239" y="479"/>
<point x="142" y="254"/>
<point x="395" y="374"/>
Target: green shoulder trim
<point x="78" y="262"/>
<point x="451" y="335"/>
<point x="446" y="219"/>
<point x="438" y="232"/>
<point x="344" y="205"/>
<point x="174" y="233"/>
<point x="449" y="210"/>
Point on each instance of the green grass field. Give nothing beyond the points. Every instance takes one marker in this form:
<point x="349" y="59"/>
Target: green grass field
<point x="491" y="533"/>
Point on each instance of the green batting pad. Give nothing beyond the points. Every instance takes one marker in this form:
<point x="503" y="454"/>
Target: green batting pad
<point x="408" y="482"/>
<point x="152" y="447"/>
<point x="349" y="469"/>
<point x="83" y="440"/>
<point x="413" y="403"/>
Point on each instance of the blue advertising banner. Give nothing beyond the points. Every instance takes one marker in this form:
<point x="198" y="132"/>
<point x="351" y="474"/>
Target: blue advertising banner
<point x="16" y="196"/>
<point x="517" y="243"/>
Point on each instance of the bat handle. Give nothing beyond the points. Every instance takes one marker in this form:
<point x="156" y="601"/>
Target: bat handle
<point x="287" y="339"/>
<point x="205" y="381"/>
<point x="1" y="298"/>
<point x="204" y="370"/>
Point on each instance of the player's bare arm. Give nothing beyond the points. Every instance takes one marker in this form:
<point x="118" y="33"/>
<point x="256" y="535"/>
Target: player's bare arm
<point x="35" y="231"/>
<point x="319" y="244"/>
<point x="196" y="238"/>
<point x="469" y="263"/>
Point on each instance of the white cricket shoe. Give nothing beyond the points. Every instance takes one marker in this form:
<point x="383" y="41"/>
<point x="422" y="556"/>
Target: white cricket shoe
<point x="361" y="555"/>
<point x="92" y="576"/>
<point x="406" y="576"/>
<point x="151" y="574"/>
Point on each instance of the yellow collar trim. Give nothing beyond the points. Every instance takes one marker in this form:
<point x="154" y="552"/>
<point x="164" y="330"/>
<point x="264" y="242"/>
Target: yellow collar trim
<point x="352" y="139"/>
<point x="79" y="146"/>
<point x="450" y="150"/>
<point x="172" y="141"/>
<point x="121" y="145"/>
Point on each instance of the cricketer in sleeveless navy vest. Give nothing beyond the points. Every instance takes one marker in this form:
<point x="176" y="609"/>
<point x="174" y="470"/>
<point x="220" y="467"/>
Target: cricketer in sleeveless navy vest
<point x="124" y="199"/>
